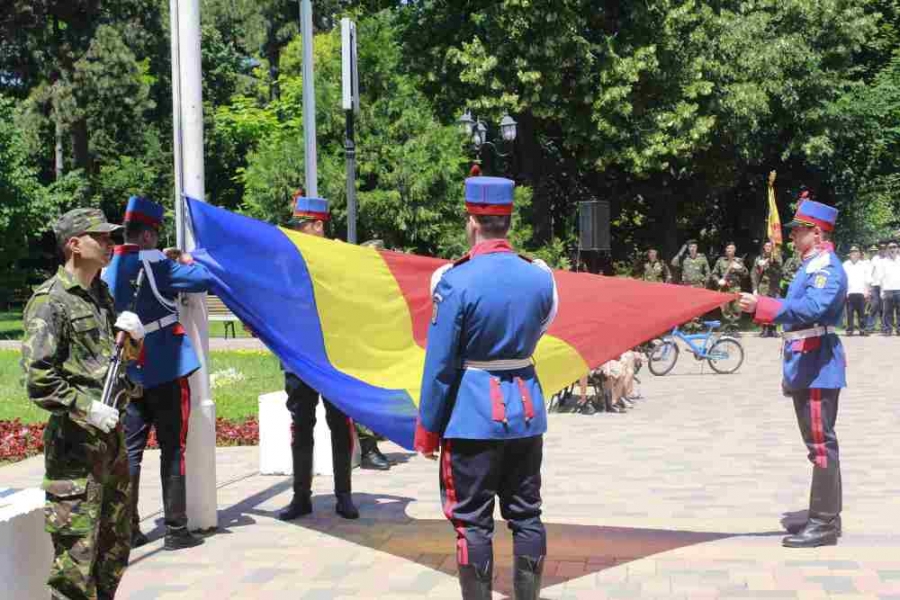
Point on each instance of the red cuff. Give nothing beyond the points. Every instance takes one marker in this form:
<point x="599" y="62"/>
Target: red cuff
<point x="426" y="441"/>
<point x="766" y="310"/>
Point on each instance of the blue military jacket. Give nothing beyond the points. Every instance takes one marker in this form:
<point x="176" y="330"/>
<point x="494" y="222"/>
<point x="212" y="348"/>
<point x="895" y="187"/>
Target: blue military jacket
<point x="816" y="297"/>
<point x="492" y="305"/>
<point x="168" y="352"/>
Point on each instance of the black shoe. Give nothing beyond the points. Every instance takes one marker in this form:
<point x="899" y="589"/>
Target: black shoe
<point x="475" y="583"/>
<point x="373" y="459"/>
<point x="795" y="528"/>
<point x="178" y="538"/>
<point x="815" y="533"/>
<point x="300" y="506"/>
<point x="527" y="577"/>
<point x="586" y="409"/>
<point x="138" y="538"/>
<point x="345" y="506"/>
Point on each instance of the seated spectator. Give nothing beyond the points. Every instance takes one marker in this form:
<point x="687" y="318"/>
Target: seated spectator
<point x="616" y="384"/>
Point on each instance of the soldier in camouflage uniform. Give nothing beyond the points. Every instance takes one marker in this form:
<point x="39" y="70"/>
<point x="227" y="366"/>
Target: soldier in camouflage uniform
<point x="654" y="269"/>
<point x="694" y="267"/>
<point x="789" y="269"/>
<point x="69" y="338"/>
<point x="766" y="278"/>
<point x="727" y="276"/>
<point x="694" y="273"/>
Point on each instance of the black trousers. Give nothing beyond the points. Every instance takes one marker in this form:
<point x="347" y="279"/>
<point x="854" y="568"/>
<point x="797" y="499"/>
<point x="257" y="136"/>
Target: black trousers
<point x="302" y="401"/>
<point x="856" y="305"/>
<point x="167" y="408"/>
<point x="875" y="307"/>
<point x="472" y="474"/>
<point x="816" y="411"/>
<point x="891" y="308"/>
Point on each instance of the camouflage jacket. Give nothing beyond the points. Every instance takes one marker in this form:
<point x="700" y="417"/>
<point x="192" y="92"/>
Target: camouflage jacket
<point x="655" y="271"/>
<point x="735" y="275"/>
<point x="694" y="271"/>
<point x="68" y="343"/>
<point x="766" y="275"/>
<point x="788" y="270"/>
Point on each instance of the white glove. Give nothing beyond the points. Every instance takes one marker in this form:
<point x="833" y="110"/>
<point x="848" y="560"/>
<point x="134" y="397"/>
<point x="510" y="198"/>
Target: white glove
<point x="130" y="324"/>
<point x="103" y="417"/>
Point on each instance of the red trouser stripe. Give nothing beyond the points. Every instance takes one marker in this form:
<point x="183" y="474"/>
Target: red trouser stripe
<point x="350" y="429"/>
<point x="185" y="417"/>
<point x="462" y="549"/>
<point x="818" y="431"/>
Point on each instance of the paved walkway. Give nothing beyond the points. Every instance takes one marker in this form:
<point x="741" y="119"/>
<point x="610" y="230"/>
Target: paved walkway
<point x="679" y="498"/>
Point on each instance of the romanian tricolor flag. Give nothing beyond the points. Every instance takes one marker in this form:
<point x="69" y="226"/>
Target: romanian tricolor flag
<point x="352" y="322"/>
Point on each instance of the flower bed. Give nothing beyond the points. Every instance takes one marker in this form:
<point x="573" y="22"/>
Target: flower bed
<point x="18" y="440"/>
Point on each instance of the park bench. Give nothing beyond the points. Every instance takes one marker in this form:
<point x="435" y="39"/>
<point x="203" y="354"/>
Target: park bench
<point x="217" y="311"/>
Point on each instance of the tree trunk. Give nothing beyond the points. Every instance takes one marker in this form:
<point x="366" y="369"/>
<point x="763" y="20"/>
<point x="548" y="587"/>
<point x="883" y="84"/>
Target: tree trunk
<point x="80" y="152"/>
<point x="58" y="147"/>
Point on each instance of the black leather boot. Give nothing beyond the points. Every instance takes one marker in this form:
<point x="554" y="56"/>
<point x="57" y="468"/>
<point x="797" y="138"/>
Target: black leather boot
<point x="825" y="503"/>
<point x="345" y="507"/>
<point x="817" y="532"/>
<point x="475" y="582"/>
<point x="178" y="536"/>
<point x="138" y="539"/>
<point x="795" y="528"/>
<point x="301" y="503"/>
<point x="370" y="457"/>
<point x="527" y="572"/>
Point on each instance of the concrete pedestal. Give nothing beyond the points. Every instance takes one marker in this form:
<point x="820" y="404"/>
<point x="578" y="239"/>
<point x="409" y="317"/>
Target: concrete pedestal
<point x="26" y="551"/>
<point x="275" y="438"/>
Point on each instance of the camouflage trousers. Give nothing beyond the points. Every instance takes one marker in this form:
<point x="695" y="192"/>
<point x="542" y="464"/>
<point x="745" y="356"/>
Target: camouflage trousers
<point x="87" y="511"/>
<point x="731" y="311"/>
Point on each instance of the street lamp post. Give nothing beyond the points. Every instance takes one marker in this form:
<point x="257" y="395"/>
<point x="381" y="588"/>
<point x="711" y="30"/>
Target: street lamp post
<point x="477" y="130"/>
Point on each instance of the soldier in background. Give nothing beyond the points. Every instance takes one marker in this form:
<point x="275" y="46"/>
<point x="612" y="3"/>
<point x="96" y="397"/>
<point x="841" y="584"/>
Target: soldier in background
<point x="790" y="268"/>
<point x="694" y="267"/>
<point x="653" y="269"/>
<point x="766" y="278"/>
<point x="727" y="276"/>
<point x="69" y="340"/>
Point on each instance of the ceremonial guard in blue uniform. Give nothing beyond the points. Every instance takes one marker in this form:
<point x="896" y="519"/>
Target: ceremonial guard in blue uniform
<point x="165" y="364"/>
<point x="814" y="362"/>
<point x="481" y="400"/>
<point x="310" y="216"/>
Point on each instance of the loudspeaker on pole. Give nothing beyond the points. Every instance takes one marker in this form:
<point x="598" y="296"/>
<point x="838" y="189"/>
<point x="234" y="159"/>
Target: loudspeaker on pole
<point x="593" y="226"/>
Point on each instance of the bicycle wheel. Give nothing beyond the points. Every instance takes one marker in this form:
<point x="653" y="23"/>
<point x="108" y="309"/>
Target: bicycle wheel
<point x="726" y="356"/>
<point x="663" y="358"/>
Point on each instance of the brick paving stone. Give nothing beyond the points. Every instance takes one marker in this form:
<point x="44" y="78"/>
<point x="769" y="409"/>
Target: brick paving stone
<point x="681" y="497"/>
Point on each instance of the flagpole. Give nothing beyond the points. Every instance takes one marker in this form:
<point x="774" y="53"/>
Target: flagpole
<point x="187" y="108"/>
<point x="309" y="100"/>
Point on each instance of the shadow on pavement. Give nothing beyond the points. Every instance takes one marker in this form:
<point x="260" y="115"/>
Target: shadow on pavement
<point x="575" y="550"/>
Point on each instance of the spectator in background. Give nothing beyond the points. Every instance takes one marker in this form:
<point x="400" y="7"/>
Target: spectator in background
<point x="876" y="307"/>
<point x="654" y="269"/>
<point x="766" y="279"/>
<point x="858" y="282"/>
<point x="890" y="289"/>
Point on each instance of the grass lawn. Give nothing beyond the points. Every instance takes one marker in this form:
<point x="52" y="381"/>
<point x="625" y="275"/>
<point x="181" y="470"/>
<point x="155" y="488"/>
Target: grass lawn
<point x="10" y="325"/>
<point x="238" y="376"/>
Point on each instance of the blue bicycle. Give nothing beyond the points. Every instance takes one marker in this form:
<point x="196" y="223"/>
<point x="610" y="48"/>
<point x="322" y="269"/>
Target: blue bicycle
<point x="724" y="354"/>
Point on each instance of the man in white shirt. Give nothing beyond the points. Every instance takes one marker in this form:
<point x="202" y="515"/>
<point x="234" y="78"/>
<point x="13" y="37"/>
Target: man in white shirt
<point x="858" y="279"/>
<point x="874" y="310"/>
<point x="889" y="269"/>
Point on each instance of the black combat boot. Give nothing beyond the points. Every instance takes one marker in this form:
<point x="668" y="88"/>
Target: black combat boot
<point x="527" y="577"/>
<point x="345" y="507"/>
<point x="371" y="457"/>
<point x="138" y="539"/>
<point x="817" y="532"/>
<point x="825" y="502"/>
<point x="795" y="528"/>
<point x="301" y="504"/>
<point x="178" y="536"/>
<point x="475" y="583"/>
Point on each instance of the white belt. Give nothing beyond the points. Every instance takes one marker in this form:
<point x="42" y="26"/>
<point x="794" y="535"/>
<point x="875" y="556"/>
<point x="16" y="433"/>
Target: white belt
<point x="160" y="323"/>
<point x="511" y="364"/>
<point x="803" y="334"/>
